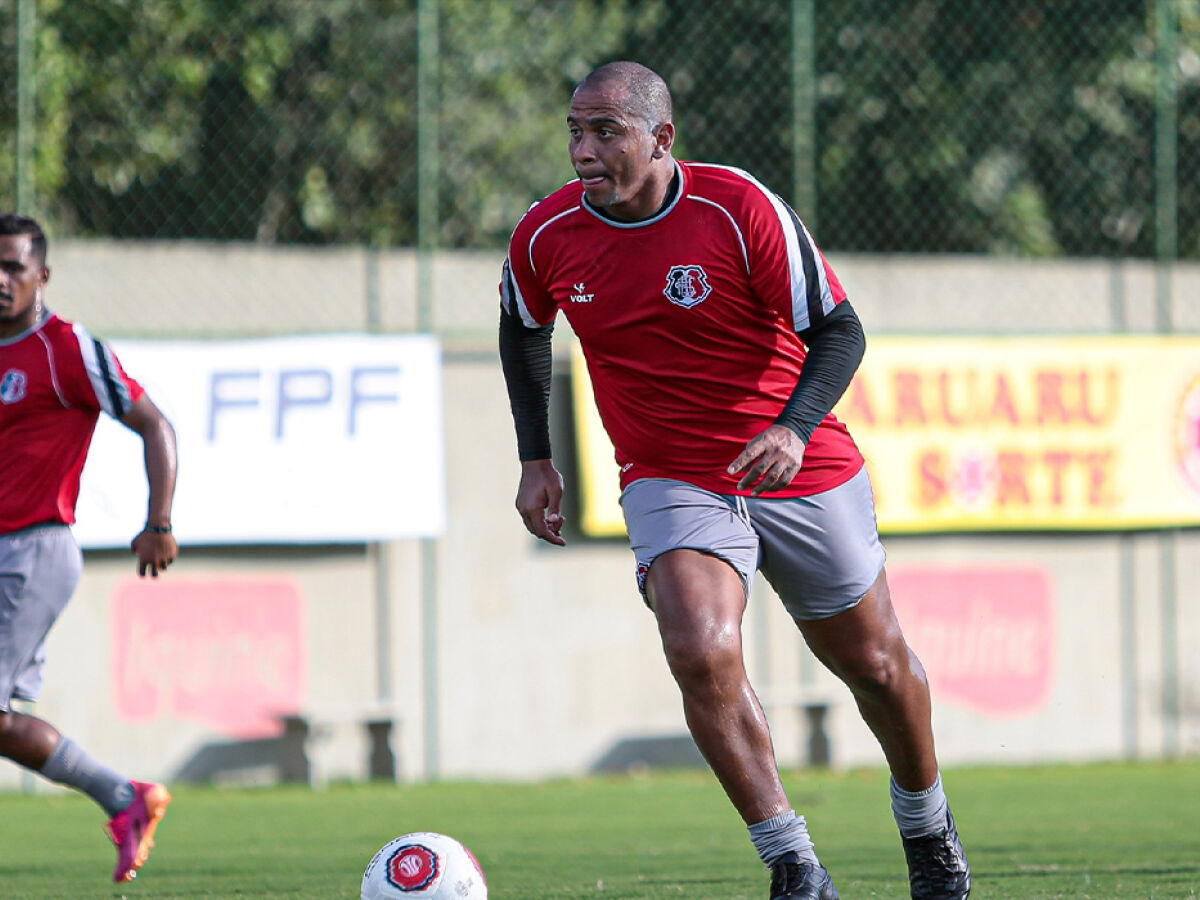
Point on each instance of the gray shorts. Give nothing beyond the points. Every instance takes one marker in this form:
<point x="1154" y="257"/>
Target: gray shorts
<point x="39" y="569"/>
<point x="820" y="553"/>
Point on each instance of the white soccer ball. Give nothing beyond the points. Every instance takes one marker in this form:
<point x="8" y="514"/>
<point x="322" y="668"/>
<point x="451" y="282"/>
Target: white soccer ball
<point x="425" y="865"/>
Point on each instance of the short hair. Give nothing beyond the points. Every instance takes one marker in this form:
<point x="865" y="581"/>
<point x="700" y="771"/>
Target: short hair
<point x="647" y="96"/>
<point x="10" y="223"/>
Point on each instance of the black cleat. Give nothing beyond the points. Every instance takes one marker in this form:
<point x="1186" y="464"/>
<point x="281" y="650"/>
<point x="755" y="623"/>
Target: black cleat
<point x="801" y="881"/>
<point x="937" y="865"/>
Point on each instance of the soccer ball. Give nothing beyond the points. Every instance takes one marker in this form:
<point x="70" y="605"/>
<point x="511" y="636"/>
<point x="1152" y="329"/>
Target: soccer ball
<point x="425" y="865"/>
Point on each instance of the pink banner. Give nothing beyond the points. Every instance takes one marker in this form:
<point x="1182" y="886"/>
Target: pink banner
<point x="229" y="653"/>
<point x="984" y="634"/>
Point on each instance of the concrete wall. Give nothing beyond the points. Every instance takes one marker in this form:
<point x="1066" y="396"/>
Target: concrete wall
<point x="545" y="659"/>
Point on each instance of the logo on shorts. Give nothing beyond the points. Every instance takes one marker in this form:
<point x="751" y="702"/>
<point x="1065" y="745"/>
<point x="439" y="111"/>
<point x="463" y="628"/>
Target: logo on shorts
<point x="687" y="286"/>
<point x="643" y="569"/>
<point x="13" y="386"/>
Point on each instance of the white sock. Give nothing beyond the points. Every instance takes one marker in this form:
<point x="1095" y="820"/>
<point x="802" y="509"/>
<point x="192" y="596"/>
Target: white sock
<point x="71" y="765"/>
<point x="921" y="812"/>
<point x="781" y="834"/>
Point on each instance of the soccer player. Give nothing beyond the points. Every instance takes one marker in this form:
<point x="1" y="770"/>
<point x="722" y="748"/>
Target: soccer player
<point x="55" y="379"/>
<point x="718" y="340"/>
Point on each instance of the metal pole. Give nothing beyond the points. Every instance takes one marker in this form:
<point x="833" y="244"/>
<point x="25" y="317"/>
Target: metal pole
<point x="27" y="35"/>
<point x="1170" y="645"/>
<point x="379" y="549"/>
<point x="804" y="101"/>
<point x="26" y="93"/>
<point x="427" y="157"/>
<point x="1116" y="295"/>
<point x="1166" y="231"/>
<point x="1166" y="158"/>
<point x="427" y="229"/>
<point x="1127" y="606"/>
<point x="429" y="641"/>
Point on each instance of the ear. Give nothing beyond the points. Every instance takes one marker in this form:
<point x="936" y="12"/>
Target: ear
<point x="664" y="140"/>
<point x="44" y="275"/>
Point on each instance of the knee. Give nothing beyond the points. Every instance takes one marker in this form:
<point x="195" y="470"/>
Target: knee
<point x="880" y="670"/>
<point x="702" y="657"/>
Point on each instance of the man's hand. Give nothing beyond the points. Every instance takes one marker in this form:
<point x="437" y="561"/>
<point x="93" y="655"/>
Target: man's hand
<point x="770" y="461"/>
<point x="539" y="499"/>
<point x="155" y="551"/>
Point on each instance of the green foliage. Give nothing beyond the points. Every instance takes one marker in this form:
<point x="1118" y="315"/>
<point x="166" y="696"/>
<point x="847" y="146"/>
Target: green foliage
<point x="940" y="126"/>
<point x="506" y="77"/>
<point x="286" y="121"/>
<point x="1024" y="133"/>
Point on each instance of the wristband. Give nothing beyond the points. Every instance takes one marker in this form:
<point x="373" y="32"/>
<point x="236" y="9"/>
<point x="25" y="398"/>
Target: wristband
<point x="158" y="529"/>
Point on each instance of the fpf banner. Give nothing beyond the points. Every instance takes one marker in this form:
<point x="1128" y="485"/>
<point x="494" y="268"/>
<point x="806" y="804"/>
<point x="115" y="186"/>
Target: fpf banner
<point x="315" y="439"/>
<point x="1011" y="433"/>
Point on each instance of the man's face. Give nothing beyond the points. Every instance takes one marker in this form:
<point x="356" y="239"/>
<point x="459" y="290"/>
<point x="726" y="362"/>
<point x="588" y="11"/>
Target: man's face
<point x="615" y="155"/>
<point x="22" y="276"/>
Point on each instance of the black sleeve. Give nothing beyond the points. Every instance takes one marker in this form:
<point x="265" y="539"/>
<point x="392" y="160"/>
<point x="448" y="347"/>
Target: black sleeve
<point x="525" y="356"/>
<point x="835" y="348"/>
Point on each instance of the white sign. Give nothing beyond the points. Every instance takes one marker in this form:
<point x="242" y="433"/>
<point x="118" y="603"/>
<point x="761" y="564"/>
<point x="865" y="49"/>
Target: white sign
<point x="322" y="439"/>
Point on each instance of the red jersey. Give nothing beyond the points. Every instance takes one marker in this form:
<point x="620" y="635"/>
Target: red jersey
<point x="54" y="381"/>
<point x="688" y="321"/>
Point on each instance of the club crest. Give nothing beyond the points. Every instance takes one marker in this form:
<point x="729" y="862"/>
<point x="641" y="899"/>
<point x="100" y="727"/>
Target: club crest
<point x="687" y="286"/>
<point x="13" y="386"/>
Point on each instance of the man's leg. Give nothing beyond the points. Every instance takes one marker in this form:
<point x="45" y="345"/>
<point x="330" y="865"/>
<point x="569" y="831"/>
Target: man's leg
<point x="134" y="808"/>
<point x="698" y="601"/>
<point x="865" y="648"/>
<point x="39" y="746"/>
<point x="39" y="569"/>
<point x="26" y="740"/>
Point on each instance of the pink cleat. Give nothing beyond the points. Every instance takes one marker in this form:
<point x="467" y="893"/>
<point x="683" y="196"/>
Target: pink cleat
<point x="132" y="829"/>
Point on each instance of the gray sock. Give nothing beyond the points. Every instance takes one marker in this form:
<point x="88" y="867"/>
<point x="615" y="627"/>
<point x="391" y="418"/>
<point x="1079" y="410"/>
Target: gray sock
<point x="784" y="833"/>
<point x="71" y="765"/>
<point x="922" y="812"/>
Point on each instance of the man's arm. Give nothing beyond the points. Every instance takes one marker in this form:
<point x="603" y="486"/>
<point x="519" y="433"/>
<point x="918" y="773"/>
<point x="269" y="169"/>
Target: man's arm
<point x="835" y="348"/>
<point x="155" y="546"/>
<point x="526" y="357"/>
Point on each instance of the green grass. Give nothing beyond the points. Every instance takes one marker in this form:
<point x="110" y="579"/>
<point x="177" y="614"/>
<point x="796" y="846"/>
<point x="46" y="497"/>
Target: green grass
<point x="1097" y="831"/>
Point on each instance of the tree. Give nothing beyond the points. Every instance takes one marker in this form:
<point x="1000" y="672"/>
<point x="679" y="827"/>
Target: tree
<point x="947" y="127"/>
<point x="941" y="126"/>
<point x="292" y="121"/>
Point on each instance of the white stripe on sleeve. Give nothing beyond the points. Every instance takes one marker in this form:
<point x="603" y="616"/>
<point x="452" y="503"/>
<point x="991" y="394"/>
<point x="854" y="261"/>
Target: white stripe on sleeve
<point x="112" y="393"/>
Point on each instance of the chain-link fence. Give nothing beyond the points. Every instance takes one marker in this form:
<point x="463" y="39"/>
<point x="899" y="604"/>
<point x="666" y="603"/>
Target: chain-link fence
<point x="1029" y="128"/>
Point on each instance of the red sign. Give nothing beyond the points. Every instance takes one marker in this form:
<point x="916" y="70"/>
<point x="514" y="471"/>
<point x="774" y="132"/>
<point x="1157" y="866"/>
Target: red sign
<point x="984" y="634"/>
<point x="227" y="652"/>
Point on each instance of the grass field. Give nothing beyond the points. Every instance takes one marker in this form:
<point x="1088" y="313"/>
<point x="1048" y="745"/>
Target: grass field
<point x="1097" y="831"/>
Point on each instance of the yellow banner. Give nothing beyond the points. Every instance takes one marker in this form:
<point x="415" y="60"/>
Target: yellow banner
<point x="1006" y="433"/>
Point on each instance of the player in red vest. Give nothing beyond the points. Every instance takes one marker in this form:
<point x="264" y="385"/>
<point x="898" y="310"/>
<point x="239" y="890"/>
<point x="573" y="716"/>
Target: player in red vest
<point x="718" y="340"/>
<point x="55" y="380"/>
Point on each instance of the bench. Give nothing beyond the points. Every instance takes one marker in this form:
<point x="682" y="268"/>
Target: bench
<point x="307" y="746"/>
<point x="815" y="703"/>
